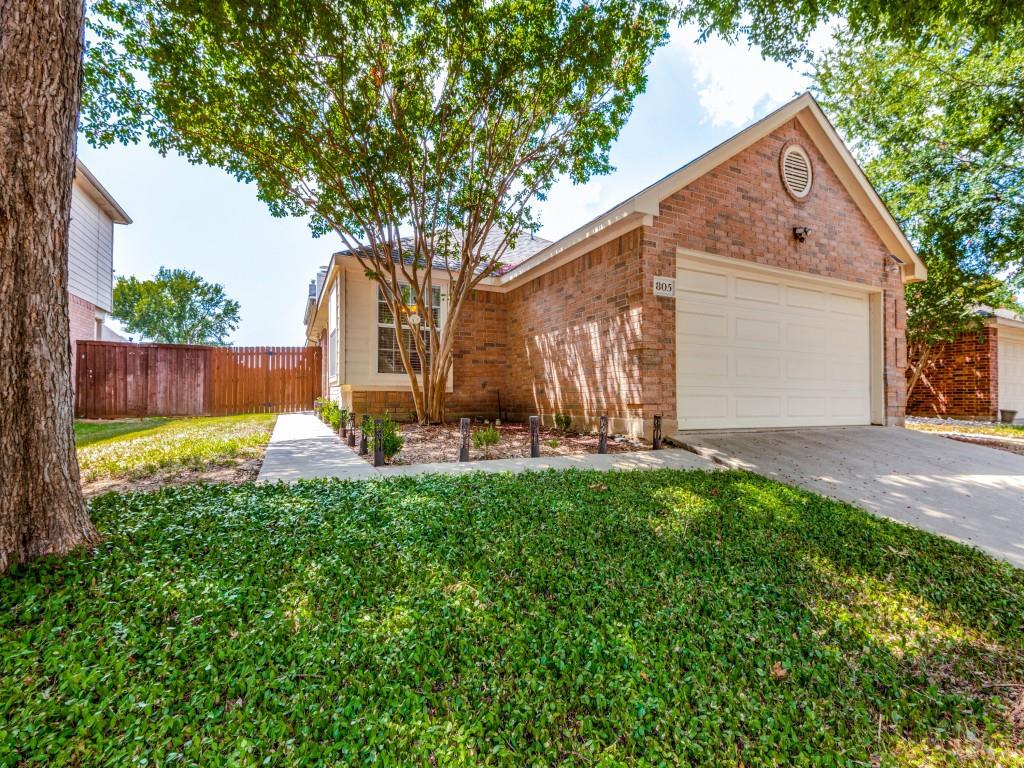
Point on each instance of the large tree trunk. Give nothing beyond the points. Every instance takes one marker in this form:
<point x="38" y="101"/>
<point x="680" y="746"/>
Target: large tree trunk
<point x="41" y="506"/>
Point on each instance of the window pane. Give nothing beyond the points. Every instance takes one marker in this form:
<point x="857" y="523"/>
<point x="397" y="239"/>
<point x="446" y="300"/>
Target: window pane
<point x="384" y="315"/>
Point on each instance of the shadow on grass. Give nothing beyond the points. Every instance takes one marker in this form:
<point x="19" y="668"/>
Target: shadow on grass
<point x="556" y="618"/>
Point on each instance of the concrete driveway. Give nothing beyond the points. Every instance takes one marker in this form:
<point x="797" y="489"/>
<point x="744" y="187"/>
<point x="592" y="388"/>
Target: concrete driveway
<point x="969" y="493"/>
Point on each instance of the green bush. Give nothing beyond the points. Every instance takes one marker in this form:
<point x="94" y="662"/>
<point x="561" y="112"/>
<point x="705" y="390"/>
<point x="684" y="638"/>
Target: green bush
<point x="391" y="437"/>
<point x="563" y="421"/>
<point x="486" y="437"/>
<point x="332" y="414"/>
<point x="554" y="442"/>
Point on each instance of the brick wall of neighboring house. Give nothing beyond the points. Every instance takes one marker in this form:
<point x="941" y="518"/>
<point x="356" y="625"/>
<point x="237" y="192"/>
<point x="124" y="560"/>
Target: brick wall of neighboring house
<point x="574" y="341"/>
<point x="741" y="210"/>
<point x="82" y="314"/>
<point x="962" y="380"/>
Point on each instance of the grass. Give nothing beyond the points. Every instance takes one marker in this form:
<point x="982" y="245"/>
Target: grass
<point x="576" y="618"/>
<point x="163" y="445"/>
<point x="994" y="430"/>
<point x="89" y="432"/>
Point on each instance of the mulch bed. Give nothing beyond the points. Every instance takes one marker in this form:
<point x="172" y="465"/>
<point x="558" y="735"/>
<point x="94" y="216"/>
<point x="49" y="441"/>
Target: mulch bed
<point x="440" y="443"/>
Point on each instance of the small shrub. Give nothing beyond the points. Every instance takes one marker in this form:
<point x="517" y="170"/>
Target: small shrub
<point x="486" y="437"/>
<point x="554" y="442"/>
<point x="331" y="413"/>
<point x="391" y="436"/>
<point x="563" y="421"/>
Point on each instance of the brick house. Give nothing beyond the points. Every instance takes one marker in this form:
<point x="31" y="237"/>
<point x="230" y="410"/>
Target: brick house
<point x="760" y="285"/>
<point x="94" y="212"/>
<point x="977" y="375"/>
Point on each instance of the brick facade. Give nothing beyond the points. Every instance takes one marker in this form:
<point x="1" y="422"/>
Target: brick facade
<point x="590" y="337"/>
<point x="82" y="315"/>
<point x="962" y="380"/>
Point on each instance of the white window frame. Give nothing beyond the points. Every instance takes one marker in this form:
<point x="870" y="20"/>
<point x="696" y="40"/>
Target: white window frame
<point x="381" y="304"/>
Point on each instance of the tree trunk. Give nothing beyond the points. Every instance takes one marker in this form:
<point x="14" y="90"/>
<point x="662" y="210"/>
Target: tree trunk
<point x="920" y="362"/>
<point x="41" y="507"/>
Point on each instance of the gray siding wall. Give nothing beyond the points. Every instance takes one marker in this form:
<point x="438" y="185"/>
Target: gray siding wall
<point x="91" y="251"/>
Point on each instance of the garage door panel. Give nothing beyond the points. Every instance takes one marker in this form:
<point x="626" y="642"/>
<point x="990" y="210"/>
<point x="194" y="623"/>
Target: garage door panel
<point x="715" y="326"/>
<point x="753" y="351"/>
<point x="806" y="407"/>
<point x="699" y="282"/>
<point x="800" y="370"/>
<point x="757" y="368"/>
<point x="758" y="407"/>
<point x="804" y="298"/>
<point x="800" y="336"/>
<point x="711" y="364"/>
<point x="761" y="330"/>
<point x="1011" y="370"/>
<point x="705" y="406"/>
<point x="854" y="306"/>
<point x="758" y="291"/>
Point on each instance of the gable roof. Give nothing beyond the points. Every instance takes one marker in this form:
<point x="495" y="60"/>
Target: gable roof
<point x="99" y="193"/>
<point x="646" y="203"/>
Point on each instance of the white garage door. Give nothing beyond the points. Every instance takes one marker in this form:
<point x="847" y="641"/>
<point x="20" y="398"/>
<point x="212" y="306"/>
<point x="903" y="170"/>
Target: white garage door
<point x="1011" y="370"/>
<point x="754" y="350"/>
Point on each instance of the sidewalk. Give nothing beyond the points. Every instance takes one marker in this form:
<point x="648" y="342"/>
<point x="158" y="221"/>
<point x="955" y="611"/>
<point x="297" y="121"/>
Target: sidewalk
<point x="303" y="448"/>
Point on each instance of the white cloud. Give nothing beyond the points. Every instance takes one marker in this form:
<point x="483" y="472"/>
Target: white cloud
<point x="734" y="84"/>
<point x="569" y="207"/>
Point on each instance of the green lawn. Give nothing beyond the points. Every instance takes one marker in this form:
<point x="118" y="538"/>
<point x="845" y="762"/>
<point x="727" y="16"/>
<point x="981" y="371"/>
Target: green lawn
<point x="133" y="449"/>
<point x="88" y="432"/>
<point x="646" y="618"/>
<point x="995" y="430"/>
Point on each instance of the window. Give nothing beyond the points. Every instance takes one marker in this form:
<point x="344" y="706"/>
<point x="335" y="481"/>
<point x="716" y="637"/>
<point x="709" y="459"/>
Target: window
<point x="389" y="359"/>
<point x="333" y="317"/>
<point x="332" y="353"/>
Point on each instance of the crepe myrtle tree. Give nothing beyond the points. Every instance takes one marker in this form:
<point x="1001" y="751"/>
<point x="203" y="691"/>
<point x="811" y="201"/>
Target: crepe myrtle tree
<point x="420" y="131"/>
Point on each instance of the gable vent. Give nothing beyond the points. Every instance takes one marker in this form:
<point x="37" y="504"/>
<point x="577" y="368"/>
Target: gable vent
<point x="796" y="171"/>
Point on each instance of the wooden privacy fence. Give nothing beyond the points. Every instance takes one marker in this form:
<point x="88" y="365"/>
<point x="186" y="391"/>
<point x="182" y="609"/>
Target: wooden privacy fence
<point x="116" y="380"/>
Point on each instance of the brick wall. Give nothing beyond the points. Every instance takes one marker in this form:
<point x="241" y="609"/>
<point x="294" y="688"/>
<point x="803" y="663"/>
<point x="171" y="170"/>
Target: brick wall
<point x="741" y="210"/>
<point x="82" y="315"/>
<point x="962" y="380"/>
<point x="574" y="343"/>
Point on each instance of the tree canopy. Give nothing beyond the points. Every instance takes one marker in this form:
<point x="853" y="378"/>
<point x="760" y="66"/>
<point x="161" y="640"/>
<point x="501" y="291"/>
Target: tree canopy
<point x="175" y="307"/>
<point x="782" y="27"/>
<point x="940" y="132"/>
<point x="420" y="131"/>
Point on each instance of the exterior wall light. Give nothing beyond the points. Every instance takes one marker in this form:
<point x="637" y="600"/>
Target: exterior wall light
<point x="801" y="233"/>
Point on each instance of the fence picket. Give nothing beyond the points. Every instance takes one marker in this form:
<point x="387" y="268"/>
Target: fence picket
<point x="118" y="379"/>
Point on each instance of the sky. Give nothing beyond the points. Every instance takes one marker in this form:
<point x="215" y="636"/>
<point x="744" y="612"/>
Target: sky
<point x="200" y="218"/>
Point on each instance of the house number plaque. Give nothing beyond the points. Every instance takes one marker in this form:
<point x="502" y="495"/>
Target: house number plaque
<point x="665" y="286"/>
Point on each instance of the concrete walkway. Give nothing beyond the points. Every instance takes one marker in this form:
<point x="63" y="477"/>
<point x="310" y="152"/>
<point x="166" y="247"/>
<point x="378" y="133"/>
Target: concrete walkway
<point x="302" y="447"/>
<point x="969" y="493"/>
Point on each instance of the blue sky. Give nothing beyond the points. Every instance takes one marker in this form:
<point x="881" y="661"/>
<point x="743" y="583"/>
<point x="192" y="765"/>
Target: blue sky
<point x="200" y="218"/>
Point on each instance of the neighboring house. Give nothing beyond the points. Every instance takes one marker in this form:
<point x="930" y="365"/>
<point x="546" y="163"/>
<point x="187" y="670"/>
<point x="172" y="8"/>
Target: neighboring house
<point x="700" y="299"/>
<point x="976" y="376"/>
<point x="94" y="212"/>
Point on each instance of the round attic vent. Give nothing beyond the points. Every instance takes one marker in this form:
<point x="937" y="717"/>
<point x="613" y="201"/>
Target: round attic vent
<point x="796" y="171"/>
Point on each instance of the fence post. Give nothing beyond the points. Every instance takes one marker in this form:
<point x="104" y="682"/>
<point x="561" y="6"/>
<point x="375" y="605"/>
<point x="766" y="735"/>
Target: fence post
<point x="351" y="430"/>
<point x="363" y="449"/>
<point x="602" y="435"/>
<point x="656" y="436"/>
<point x="534" y="437"/>
<point x="378" y="443"/>
<point x="464" y="445"/>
